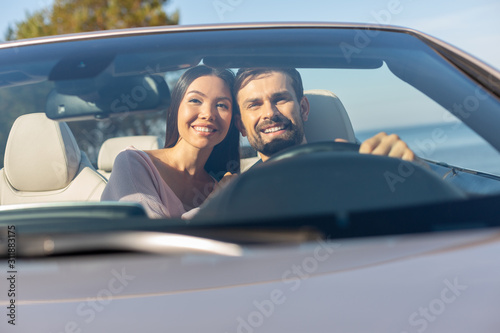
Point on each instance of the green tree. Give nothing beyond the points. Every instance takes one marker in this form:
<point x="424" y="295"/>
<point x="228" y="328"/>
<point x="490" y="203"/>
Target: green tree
<point x="9" y="34"/>
<point x="71" y="16"/>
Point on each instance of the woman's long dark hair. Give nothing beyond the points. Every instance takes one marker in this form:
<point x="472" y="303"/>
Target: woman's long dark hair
<point x="225" y="156"/>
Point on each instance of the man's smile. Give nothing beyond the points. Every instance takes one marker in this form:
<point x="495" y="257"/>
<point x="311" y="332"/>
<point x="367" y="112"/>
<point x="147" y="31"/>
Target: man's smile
<point x="273" y="128"/>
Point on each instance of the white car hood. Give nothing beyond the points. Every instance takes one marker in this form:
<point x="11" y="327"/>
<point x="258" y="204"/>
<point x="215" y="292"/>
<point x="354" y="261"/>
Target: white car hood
<point x="440" y="282"/>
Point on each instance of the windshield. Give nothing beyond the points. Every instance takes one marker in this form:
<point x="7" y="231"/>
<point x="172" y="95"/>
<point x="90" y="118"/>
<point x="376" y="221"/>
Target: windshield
<point x="386" y="81"/>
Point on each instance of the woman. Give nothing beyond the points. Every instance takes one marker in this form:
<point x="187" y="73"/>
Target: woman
<point x="202" y="145"/>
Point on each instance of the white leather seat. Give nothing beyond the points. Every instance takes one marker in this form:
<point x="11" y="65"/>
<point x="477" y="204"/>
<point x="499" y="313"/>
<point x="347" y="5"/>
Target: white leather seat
<point x="328" y="120"/>
<point x="111" y="147"/>
<point x="43" y="163"/>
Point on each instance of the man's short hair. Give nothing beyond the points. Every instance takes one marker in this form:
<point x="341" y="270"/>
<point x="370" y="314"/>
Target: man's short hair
<point x="245" y="75"/>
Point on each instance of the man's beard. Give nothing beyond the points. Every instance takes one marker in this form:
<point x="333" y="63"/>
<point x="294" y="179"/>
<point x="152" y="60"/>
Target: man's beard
<point x="293" y="136"/>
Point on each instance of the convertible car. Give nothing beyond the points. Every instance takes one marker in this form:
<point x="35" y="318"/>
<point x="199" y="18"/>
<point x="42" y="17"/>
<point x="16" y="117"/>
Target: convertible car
<point x="319" y="238"/>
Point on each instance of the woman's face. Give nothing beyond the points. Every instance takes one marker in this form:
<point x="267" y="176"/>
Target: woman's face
<point x="205" y="112"/>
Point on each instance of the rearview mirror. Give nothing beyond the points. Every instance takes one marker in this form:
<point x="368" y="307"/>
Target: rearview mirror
<point x="88" y="99"/>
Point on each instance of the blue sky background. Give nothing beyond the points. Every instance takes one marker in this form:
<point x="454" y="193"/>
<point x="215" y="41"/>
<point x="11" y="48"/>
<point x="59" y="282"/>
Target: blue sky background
<point x="473" y="26"/>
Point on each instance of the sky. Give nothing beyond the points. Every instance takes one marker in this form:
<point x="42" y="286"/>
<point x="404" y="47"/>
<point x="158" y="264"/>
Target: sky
<point x="472" y="26"/>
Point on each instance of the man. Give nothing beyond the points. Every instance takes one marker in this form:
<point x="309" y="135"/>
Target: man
<point x="273" y="110"/>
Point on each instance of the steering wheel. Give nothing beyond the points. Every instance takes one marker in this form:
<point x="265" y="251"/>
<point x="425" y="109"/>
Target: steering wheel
<point x="315" y="147"/>
<point x="324" y="182"/>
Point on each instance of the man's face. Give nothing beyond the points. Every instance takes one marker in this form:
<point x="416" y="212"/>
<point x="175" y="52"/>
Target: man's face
<point x="271" y="116"/>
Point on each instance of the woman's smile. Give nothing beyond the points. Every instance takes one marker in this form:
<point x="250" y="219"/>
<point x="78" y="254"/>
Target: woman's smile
<point x="205" y="130"/>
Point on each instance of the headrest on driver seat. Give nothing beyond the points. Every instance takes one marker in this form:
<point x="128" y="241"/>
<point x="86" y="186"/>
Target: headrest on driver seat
<point x="328" y="119"/>
<point x="41" y="154"/>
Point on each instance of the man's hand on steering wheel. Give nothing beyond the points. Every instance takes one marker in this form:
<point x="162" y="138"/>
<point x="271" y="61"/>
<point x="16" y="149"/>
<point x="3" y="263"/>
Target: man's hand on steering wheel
<point x="386" y="145"/>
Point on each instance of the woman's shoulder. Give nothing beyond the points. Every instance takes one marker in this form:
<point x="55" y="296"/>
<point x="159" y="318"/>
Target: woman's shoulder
<point x="132" y="152"/>
<point x="132" y="156"/>
<point x="135" y="164"/>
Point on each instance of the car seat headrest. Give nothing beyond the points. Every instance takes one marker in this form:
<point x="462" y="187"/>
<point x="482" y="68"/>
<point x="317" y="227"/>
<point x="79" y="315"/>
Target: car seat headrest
<point x="328" y="119"/>
<point x="111" y="147"/>
<point x="41" y="154"/>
